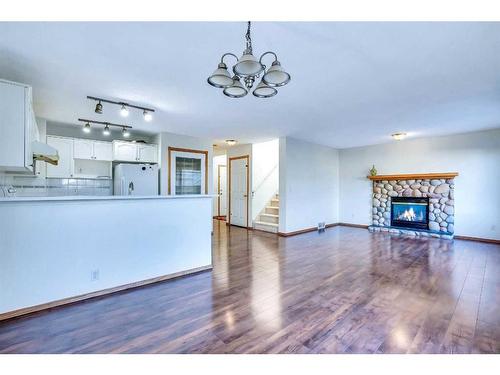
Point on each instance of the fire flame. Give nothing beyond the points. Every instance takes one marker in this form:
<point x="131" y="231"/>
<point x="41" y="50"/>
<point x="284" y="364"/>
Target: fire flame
<point x="409" y="215"/>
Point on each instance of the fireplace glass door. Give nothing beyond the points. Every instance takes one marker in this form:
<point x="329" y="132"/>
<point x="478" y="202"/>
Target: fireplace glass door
<point x="411" y="212"/>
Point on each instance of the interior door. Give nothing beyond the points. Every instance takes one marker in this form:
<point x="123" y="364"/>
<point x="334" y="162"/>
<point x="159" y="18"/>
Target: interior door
<point x="187" y="173"/>
<point x="239" y="192"/>
<point x="222" y="186"/>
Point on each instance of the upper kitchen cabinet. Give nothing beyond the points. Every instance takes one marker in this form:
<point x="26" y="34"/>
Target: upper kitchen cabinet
<point x="65" y="167"/>
<point x="92" y="150"/>
<point x="18" y="127"/>
<point x="134" y="152"/>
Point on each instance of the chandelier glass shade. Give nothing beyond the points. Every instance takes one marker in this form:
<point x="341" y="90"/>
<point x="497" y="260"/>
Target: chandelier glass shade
<point x="249" y="69"/>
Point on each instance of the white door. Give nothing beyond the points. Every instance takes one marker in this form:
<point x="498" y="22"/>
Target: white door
<point x="64" y="146"/>
<point x="83" y="149"/>
<point x="147" y="153"/>
<point x="222" y="190"/>
<point x="103" y="151"/>
<point x="187" y="173"/>
<point x="124" y="151"/>
<point x="239" y="193"/>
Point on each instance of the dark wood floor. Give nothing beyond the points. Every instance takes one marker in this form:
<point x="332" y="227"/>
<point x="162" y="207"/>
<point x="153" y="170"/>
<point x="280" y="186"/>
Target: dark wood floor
<point x="342" y="291"/>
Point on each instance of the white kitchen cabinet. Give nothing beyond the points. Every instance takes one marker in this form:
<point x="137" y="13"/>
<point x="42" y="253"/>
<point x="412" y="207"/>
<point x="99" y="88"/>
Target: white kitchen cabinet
<point x="147" y="153"/>
<point x="83" y="149"/>
<point x="103" y="151"/>
<point x="124" y="151"/>
<point x="88" y="149"/>
<point x="18" y="127"/>
<point x="65" y="167"/>
<point x="135" y="152"/>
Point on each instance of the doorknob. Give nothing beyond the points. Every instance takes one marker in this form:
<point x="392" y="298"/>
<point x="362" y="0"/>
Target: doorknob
<point x="244" y="195"/>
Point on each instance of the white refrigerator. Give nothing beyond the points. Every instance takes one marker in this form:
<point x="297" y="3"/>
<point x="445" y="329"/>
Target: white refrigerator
<point x="136" y="179"/>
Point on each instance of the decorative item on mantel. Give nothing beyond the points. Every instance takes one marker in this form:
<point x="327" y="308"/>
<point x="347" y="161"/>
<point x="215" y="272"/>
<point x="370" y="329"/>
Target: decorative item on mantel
<point x="373" y="171"/>
<point x="438" y="188"/>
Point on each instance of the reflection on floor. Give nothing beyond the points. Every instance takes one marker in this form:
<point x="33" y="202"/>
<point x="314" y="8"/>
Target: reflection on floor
<point x="342" y="291"/>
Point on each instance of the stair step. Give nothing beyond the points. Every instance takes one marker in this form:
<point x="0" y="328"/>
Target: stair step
<point x="272" y="210"/>
<point x="270" y="215"/>
<point x="265" y="223"/>
<point x="266" y="227"/>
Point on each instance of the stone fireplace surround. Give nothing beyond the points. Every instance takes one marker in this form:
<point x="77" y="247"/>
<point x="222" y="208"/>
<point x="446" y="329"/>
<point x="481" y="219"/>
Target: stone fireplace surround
<point x="441" y="193"/>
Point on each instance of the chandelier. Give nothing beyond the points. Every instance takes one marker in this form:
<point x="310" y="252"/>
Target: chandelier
<point x="249" y="69"/>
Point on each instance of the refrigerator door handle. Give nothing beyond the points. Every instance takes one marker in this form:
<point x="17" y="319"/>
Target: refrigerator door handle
<point x="130" y="188"/>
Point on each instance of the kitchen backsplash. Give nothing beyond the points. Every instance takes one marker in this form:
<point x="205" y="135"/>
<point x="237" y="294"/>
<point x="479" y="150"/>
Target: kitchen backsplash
<point x="54" y="187"/>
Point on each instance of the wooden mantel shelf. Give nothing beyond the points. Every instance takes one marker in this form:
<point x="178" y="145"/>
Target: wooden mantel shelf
<point x="413" y="176"/>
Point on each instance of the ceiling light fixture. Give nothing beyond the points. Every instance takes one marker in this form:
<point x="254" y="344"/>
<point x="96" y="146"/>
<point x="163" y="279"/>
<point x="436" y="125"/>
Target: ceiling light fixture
<point x="106" y="130"/>
<point x="249" y="69"/>
<point x="147" y="116"/>
<point x="124" y="107"/>
<point x="98" y="107"/>
<point x="86" y="128"/>
<point x="399" y="136"/>
<point x="125" y="132"/>
<point x="231" y="142"/>
<point x="124" y="111"/>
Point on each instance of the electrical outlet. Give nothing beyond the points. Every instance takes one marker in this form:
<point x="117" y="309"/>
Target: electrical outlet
<point x="321" y="226"/>
<point x="94" y="275"/>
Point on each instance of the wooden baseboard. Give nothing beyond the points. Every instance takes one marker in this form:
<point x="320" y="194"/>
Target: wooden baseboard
<point x="312" y="229"/>
<point x="66" y="301"/>
<point x="478" y="239"/>
<point x="354" y="225"/>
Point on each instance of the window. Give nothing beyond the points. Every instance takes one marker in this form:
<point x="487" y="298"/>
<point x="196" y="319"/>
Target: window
<point x="188" y="179"/>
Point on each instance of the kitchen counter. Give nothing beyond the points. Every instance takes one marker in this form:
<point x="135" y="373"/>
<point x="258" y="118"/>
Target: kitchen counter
<point x="57" y="249"/>
<point x="100" y="198"/>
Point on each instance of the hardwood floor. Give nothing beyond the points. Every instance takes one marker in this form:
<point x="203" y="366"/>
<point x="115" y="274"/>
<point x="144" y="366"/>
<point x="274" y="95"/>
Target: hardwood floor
<point x="342" y="291"/>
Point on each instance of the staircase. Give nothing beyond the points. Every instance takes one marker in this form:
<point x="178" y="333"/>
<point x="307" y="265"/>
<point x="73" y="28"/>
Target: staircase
<point x="268" y="219"/>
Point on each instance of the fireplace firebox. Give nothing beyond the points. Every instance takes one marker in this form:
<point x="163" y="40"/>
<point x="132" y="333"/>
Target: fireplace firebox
<point x="410" y="212"/>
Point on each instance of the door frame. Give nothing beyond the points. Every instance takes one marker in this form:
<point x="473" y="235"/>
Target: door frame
<point x="247" y="190"/>
<point x="218" y="188"/>
<point x="178" y="149"/>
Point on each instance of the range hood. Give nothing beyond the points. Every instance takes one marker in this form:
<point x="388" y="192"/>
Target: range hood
<point x="44" y="152"/>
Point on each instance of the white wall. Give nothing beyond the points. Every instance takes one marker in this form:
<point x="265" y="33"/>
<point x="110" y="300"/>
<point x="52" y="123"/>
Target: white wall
<point x="476" y="156"/>
<point x="48" y="249"/>
<point x="308" y="184"/>
<point x="167" y="140"/>
<point x="241" y="150"/>
<point x="265" y="174"/>
<point x="218" y="160"/>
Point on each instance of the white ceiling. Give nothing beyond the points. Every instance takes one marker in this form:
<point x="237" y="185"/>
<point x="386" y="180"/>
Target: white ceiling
<point x="352" y="84"/>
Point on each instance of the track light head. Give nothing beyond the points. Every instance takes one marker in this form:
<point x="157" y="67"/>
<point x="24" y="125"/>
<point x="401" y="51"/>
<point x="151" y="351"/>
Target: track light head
<point x="106" y="131"/>
<point x="124" y="111"/>
<point x="147" y="116"/>
<point x="86" y="128"/>
<point x="98" y="108"/>
<point x="125" y="132"/>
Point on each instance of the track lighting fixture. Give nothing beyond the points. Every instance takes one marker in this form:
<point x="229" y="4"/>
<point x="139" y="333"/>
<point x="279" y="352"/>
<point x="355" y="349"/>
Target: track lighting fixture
<point x="86" y="128"/>
<point x="147" y="116"/>
<point x="124" y="108"/>
<point x="106" y="131"/>
<point x="124" y="111"/>
<point x="98" y="107"/>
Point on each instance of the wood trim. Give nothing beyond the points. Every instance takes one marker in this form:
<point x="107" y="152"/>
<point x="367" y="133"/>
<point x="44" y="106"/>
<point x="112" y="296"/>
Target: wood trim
<point x="312" y="229"/>
<point x="229" y="187"/>
<point x="413" y="176"/>
<point x="178" y="149"/>
<point x="70" y="300"/>
<point x="354" y="225"/>
<point x="477" y="239"/>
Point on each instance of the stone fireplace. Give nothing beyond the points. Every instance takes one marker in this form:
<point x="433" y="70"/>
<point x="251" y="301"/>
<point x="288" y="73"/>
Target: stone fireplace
<point x="416" y="205"/>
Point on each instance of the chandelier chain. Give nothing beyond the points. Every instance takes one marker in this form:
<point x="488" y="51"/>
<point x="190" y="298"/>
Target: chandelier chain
<point x="249" y="38"/>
